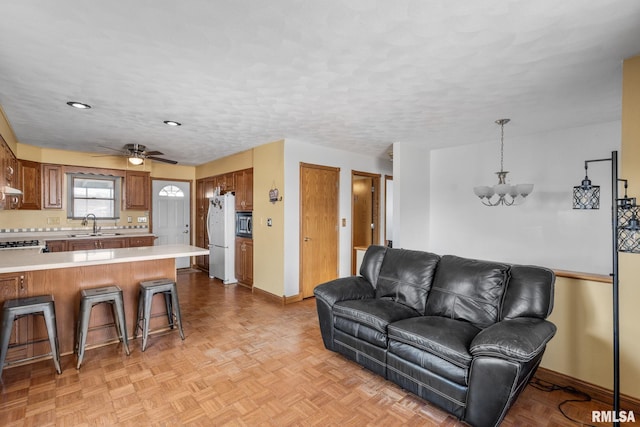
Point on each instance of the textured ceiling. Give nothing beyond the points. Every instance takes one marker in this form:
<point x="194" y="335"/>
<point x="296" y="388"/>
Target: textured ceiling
<point x="356" y="75"/>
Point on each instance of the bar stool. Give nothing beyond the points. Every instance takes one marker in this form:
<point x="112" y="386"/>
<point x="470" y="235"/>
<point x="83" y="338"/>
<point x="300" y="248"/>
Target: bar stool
<point x="147" y="290"/>
<point x="89" y="298"/>
<point x="41" y="305"/>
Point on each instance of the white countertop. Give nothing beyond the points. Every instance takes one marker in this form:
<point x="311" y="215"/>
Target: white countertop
<point x="13" y="261"/>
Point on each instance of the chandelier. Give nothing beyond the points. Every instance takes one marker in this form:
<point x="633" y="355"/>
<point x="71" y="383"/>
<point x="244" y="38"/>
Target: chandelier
<point x="507" y="194"/>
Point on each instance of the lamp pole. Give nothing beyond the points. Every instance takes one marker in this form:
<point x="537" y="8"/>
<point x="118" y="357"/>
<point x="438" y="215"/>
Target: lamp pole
<point x="615" y="282"/>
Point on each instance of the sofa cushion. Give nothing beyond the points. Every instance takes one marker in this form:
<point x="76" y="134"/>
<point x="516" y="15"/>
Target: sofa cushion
<point x="371" y="263"/>
<point x="435" y="343"/>
<point x="406" y="277"/>
<point x="367" y="319"/>
<point x="529" y="293"/>
<point x="468" y="289"/>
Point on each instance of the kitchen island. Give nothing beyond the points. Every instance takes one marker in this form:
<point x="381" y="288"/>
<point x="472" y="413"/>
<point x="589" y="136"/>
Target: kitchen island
<point x="64" y="274"/>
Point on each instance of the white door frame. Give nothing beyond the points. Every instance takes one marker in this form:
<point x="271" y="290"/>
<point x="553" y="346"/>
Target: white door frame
<point x="185" y="223"/>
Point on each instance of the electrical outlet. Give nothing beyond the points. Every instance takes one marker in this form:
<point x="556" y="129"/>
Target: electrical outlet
<point x="142" y="219"/>
<point x="269" y="222"/>
<point x="129" y="219"/>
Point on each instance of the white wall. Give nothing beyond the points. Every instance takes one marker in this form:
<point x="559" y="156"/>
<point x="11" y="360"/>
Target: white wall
<point x="545" y="230"/>
<point x="296" y="152"/>
<point x="411" y="197"/>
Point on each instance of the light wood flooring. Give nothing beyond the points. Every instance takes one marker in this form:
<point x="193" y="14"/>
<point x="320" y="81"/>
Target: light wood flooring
<point x="246" y="361"/>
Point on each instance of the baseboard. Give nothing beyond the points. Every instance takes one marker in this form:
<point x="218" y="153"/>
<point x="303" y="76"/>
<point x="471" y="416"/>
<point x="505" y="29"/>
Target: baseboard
<point x="268" y="295"/>
<point x="596" y="392"/>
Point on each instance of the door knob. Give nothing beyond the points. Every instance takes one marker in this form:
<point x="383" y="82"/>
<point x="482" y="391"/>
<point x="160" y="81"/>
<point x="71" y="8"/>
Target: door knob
<point x="306" y="239"/>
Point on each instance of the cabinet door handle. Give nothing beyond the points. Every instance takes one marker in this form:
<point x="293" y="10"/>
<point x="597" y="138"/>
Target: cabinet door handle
<point x="22" y="283"/>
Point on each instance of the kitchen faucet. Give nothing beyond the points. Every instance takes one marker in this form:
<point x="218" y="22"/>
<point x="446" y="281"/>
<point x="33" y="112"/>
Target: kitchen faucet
<point x="85" y="221"/>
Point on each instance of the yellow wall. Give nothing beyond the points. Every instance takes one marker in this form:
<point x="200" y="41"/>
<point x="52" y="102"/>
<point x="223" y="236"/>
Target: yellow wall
<point x="630" y="263"/>
<point x="7" y="132"/>
<point x="234" y="162"/>
<point x="268" y="242"/>
<point x="582" y="347"/>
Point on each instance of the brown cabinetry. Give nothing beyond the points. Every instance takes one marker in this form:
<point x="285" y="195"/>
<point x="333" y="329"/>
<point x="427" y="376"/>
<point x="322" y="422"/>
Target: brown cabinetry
<point x="135" y="242"/>
<point x="98" y="243"/>
<point x="244" y="190"/>
<point x="88" y="244"/>
<point x="8" y="176"/>
<point x="205" y="188"/>
<point x="137" y="190"/>
<point x="244" y="261"/>
<point x="14" y="285"/>
<point x="56" y="245"/>
<point x="30" y="183"/>
<point x="52" y="181"/>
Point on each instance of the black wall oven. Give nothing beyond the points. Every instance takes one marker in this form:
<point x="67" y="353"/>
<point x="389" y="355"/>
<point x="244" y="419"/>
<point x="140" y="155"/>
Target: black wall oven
<point x="244" y="224"/>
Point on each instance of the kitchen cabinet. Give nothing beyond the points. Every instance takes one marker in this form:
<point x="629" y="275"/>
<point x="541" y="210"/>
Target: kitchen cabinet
<point x="56" y="245"/>
<point x="52" y="182"/>
<point x="14" y="285"/>
<point x="137" y="190"/>
<point x="89" y="244"/>
<point x="136" y="242"/>
<point x="205" y="187"/>
<point x="244" y="261"/>
<point x="244" y="189"/>
<point x="30" y="183"/>
<point x="8" y="176"/>
<point x="100" y="243"/>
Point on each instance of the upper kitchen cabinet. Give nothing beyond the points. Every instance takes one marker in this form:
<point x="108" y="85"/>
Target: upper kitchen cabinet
<point x="137" y="189"/>
<point x="52" y="181"/>
<point x="244" y="189"/>
<point x="30" y="183"/>
<point x="8" y="176"/>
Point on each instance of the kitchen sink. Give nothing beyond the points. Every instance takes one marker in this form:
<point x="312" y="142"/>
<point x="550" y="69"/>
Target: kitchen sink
<point x="94" y="234"/>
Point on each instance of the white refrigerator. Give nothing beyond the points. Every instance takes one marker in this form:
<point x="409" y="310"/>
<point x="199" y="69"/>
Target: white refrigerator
<point x="221" y="230"/>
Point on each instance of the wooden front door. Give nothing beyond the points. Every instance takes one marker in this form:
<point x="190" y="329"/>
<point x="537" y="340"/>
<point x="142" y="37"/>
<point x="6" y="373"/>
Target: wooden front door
<point x="318" y="226"/>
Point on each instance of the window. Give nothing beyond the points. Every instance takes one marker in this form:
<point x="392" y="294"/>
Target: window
<point x="93" y="194"/>
<point x="171" y="191"/>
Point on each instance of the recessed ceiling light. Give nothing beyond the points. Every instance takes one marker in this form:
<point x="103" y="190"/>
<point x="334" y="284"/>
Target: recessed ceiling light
<point x="172" y="123"/>
<point x="78" y="105"/>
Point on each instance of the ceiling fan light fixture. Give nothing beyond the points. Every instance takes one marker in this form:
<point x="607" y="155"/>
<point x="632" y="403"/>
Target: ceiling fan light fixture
<point x="78" y="105"/>
<point x="172" y="123"/>
<point x="135" y="160"/>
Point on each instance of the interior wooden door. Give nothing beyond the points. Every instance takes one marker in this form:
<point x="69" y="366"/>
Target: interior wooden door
<point x="319" y="187"/>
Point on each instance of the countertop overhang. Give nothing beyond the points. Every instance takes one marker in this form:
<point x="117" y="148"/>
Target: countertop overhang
<point x="13" y="261"/>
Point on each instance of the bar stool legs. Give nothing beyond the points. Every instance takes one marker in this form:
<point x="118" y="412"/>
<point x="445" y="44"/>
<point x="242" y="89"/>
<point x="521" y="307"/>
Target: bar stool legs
<point x="14" y="309"/>
<point x="90" y="297"/>
<point x="147" y="290"/>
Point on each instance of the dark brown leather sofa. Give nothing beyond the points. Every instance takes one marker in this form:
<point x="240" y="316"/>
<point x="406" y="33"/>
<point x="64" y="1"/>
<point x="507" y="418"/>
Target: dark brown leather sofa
<point x="464" y="334"/>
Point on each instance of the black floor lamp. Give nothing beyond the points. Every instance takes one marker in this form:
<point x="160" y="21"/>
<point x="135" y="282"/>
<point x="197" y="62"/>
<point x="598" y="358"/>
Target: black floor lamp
<point x="625" y="235"/>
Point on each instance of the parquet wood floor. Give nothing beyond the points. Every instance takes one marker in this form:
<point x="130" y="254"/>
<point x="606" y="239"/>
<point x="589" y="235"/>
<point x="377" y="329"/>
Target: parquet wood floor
<point x="245" y="362"/>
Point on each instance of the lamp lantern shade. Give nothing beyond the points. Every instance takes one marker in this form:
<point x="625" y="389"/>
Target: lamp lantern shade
<point x="629" y="229"/>
<point x="586" y="196"/>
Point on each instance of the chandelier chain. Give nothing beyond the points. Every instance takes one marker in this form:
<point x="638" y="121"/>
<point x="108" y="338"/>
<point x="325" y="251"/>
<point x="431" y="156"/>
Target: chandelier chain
<point x="502" y="147"/>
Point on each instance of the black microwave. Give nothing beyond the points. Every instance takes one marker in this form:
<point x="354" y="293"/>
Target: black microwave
<point x="244" y="226"/>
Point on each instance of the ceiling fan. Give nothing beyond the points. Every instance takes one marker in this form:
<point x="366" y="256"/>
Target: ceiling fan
<point x="137" y="153"/>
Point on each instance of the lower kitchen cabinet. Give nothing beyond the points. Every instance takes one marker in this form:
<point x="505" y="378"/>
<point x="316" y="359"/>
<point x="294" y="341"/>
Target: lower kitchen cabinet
<point x="14" y="285"/>
<point x="135" y="242"/>
<point x="88" y="244"/>
<point x="56" y="245"/>
<point x="244" y="261"/>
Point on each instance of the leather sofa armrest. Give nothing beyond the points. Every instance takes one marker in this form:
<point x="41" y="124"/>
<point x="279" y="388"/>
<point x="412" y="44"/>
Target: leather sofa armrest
<point x="520" y="339"/>
<point x="344" y="288"/>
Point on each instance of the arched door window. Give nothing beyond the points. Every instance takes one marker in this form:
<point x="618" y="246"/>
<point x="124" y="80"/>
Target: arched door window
<point x="171" y="191"/>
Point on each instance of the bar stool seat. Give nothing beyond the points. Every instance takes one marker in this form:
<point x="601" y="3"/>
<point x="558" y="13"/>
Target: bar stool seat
<point x="147" y="290"/>
<point x="89" y="298"/>
<point x="13" y="309"/>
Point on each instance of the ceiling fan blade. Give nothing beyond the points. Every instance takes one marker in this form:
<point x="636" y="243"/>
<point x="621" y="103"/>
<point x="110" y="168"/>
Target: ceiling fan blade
<point x="160" y="159"/>
<point x="119" y="150"/>
<point x="153" y="153"/>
